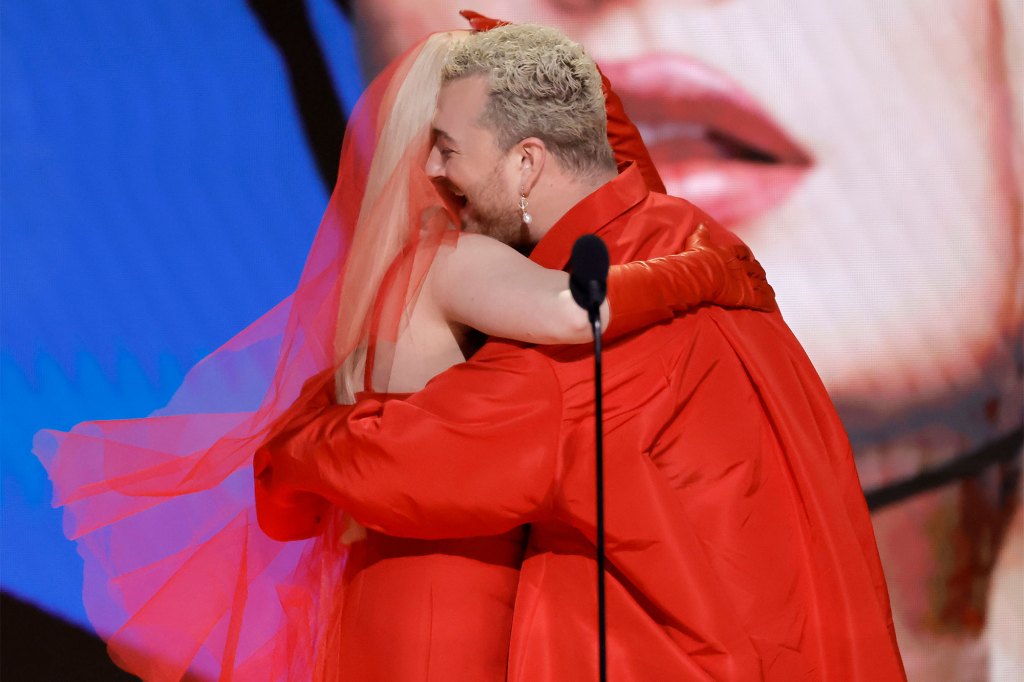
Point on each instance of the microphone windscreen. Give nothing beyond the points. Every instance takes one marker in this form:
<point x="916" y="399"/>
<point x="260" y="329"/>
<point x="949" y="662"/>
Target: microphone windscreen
<point x="589" y="271"/>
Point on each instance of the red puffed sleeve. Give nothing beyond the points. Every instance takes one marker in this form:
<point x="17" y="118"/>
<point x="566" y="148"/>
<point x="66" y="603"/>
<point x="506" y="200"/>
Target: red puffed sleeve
<point x="474" y="453"/>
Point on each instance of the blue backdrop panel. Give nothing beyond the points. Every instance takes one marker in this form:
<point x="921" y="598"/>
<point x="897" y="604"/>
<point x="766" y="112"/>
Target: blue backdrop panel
<point x="158" y="196"/>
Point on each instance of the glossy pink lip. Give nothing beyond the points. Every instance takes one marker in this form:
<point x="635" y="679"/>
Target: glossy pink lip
<point x="712" y="143"/>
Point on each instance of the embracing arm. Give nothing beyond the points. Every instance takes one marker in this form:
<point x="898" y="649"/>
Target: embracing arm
<point x="476" y="451"/>
<point x="473" y="453"/>
<point x="490" y="287"/>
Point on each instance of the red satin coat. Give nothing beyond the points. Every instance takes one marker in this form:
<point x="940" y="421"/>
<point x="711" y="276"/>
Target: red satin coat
<point x="738" y="541"/>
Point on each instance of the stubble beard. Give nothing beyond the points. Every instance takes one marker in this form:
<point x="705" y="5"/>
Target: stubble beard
<point x="493" y="214"/>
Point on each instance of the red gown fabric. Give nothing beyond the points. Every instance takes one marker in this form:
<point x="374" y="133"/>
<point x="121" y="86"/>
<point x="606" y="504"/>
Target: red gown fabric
<point x="424" y="610"/>
<point x="430" y="610"/>
<point x="738" y="541"/>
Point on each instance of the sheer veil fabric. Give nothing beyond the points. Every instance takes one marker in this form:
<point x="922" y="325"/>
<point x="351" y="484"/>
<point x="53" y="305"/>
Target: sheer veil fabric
<point x="179" y="578"/>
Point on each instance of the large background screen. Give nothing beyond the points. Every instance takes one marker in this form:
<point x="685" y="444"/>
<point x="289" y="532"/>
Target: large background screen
<point x="165" y="165"/>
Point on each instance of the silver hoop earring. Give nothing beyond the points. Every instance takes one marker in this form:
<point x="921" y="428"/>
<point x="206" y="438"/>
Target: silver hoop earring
<point x="523" y="203"/>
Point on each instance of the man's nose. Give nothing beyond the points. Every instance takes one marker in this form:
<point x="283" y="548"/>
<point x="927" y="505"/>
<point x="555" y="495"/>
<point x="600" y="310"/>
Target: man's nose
<point x="434" y="167"/>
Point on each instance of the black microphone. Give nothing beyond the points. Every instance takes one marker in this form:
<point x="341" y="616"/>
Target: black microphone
<point x="589" y="277"/>
<point x="588" y="283"/>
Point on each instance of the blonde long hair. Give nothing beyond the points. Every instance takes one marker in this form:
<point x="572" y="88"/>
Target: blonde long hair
<point x="399" y="209"/>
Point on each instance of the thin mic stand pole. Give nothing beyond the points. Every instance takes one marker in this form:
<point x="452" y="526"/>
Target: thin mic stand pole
<point x="587" y="282"/>
<point x="595" y="321"/>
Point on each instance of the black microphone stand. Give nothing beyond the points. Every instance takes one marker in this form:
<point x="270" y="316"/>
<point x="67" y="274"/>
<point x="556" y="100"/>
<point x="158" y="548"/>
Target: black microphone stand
<point x="587" y="282"/>
<point x="594" y="313"/>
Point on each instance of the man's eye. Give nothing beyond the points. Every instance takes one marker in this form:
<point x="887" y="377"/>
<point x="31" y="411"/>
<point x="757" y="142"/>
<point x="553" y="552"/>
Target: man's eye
<point x="445" y="153"/>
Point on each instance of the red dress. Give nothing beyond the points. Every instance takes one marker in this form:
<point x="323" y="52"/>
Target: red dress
<point x="738" y="540"/>
<point x="426" y="609"/>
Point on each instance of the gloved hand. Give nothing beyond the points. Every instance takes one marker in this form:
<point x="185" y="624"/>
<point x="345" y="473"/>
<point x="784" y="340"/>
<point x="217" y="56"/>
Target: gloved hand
<point x="285" y="511"/>
<point x="623" y="135"/>
<point x="645" y="292"/>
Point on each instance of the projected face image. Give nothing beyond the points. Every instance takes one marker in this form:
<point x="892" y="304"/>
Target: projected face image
<point x="836" y="139"/>
<point x="864" y="149"/>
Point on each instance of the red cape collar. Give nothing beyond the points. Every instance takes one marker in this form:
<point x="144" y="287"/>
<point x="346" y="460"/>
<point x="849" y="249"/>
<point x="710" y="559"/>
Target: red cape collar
<point x="591" y="215"/>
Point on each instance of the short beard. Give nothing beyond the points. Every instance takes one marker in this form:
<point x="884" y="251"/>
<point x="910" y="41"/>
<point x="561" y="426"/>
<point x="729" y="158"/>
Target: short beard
<point x="495" y="215"/>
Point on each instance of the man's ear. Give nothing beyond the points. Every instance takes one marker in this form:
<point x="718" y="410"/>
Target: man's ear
<point x="530" y="154"/>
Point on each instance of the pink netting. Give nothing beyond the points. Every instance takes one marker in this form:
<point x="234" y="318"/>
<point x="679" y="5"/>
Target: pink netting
<point x="179" y="578"/>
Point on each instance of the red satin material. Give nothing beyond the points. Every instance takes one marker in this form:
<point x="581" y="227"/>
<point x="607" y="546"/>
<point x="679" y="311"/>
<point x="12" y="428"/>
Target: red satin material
<point x="624" y="136"/>
<point x="645" y="292"/>
<point x="739" y="543"/>
<point x="428" y="609"/>
<point x="405" y="605"/>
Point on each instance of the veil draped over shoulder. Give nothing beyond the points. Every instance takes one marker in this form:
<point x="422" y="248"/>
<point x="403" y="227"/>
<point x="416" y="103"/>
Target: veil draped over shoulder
<point x="179" y="578"/>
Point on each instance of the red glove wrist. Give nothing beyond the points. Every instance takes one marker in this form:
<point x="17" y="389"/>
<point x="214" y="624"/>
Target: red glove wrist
<point x="647" y="292"/>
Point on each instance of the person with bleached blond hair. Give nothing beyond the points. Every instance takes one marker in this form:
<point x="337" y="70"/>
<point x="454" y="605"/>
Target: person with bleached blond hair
<point x="738" y="539"/>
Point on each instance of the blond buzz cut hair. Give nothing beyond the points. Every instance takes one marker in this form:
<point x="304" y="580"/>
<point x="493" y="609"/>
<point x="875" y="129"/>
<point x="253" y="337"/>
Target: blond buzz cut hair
<point x="540" y="84"/>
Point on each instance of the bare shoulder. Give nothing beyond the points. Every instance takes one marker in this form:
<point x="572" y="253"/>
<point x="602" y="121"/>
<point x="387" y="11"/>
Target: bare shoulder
<point x="472" y="244"/>
<point x="474" y="253"/>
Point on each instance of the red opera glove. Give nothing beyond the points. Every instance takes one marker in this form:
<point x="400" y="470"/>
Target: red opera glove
<point x="623" y="135"/>
<point x="285" y="512"/>
<point x="645" y="292"/>
<point x="286" y="515"/>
